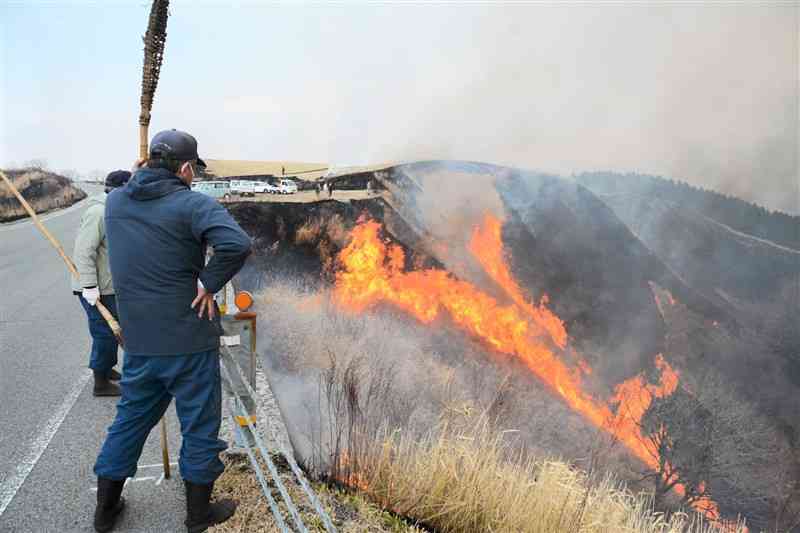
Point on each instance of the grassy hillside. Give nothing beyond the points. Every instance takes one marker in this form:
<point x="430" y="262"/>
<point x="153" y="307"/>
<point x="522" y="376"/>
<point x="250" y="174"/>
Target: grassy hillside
<point x="560" y="240"/>
<point x="230" y="167"/>
<point x="44" y="190"/>
<point x="740" y="215"/>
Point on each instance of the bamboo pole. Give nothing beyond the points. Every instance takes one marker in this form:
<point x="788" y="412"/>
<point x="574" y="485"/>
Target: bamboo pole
<point x="143" y="142"/>
<point x="154" y="41"/>
<point x="109" y="318"/>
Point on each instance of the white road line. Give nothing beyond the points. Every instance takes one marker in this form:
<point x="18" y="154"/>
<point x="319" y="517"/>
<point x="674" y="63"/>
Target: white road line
<point x="9" y="487"/>
<point x="159" y="465"/>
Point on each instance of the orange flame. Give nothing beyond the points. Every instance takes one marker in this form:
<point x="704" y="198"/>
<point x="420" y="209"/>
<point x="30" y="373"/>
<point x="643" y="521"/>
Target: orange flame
<point x="486" y="246"/>
<point x="373" y="273"/>
<point x="348" y="475"/>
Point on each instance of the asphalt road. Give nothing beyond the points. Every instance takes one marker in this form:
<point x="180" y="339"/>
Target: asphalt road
<point x="51" y="427"/>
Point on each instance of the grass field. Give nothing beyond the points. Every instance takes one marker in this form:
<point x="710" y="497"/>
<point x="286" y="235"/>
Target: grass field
<point x="230" y="167"/>
<point x="304" y="170"/>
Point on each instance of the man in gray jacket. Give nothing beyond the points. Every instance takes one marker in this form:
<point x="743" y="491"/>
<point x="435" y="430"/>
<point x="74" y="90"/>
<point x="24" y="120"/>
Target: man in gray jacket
<point x="94" y="283"/>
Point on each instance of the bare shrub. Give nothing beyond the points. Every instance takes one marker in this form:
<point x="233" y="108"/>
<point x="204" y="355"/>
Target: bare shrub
<point x="716" y="446"/>
<point x="435" y="376"/>
<point x="309" y="232"/>
<point x="327" y="234"/>
<point x="39" y="164"/>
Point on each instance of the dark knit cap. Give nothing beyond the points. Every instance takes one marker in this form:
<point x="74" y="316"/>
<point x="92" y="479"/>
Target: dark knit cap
<point x="117" y="178"/>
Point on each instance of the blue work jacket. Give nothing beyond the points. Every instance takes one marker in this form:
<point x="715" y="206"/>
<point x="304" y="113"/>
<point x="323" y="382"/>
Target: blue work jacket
<point x="157" y="231"/>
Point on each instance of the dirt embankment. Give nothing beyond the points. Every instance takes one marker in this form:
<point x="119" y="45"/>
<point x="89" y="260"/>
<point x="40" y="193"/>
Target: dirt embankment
<point x="44" y="190"/>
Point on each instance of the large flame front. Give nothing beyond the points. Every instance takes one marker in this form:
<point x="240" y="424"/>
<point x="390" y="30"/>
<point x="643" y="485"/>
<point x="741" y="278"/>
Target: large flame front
<point x="374" y="273"/>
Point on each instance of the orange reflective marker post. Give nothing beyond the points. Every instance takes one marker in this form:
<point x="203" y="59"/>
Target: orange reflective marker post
<point x="243" y="300"/>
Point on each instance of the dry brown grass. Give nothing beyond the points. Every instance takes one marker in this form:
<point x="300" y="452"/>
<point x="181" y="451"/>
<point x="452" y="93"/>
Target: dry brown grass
<point x="230" y="167"/>
<point x="375" y="371"/>
<point x="473" y="481"/>
<point x="349" y="512"/>
<point x="43" y="190"/>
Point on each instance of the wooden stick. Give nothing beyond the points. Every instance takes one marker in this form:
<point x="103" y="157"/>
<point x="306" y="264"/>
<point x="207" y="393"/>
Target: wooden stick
<point x="143" y="155"/>
<point x="165" y="448"/>
<point x="154" y="41"/>
<point x="109" y="318"/>
<point x="143" y="140"/>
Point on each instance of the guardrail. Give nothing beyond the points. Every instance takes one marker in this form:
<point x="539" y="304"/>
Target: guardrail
<point x="242" y="402"/>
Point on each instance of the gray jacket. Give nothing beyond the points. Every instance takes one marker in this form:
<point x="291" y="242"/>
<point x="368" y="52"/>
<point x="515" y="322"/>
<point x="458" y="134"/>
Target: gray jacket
<point x="91" y="249"/>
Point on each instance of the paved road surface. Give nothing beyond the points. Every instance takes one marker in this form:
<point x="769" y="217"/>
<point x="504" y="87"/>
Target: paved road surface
<point x="51" y="427"/>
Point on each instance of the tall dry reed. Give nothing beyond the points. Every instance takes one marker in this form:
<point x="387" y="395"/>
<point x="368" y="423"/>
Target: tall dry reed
<point x="474" y="481"/>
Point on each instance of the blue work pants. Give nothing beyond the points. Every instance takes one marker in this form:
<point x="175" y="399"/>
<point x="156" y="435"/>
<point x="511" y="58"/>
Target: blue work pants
<point x="104" y="345"/>
<point x="148" y="385"/>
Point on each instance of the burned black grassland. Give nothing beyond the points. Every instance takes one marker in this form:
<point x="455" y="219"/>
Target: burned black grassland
<point x="339" y="374"/>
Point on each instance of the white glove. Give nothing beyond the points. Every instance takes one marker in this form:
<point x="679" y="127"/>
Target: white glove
<point x="91" y="295"/>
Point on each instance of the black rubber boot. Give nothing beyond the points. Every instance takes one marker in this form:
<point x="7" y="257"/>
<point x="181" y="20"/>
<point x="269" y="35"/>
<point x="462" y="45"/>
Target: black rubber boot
<point x="200" y="513"/>
<point x="104" y="387"/>
<point x="113" y="375"/>
<point x="110" y="504"/>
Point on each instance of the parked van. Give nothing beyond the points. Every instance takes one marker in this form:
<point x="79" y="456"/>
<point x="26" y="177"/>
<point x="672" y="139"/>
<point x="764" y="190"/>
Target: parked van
<point x="287" y="187"/>
<point x="262" y="186"/>
<point x="249" y="187"/>
<point x="214" y="189"/>
<point x="244" y="187"/>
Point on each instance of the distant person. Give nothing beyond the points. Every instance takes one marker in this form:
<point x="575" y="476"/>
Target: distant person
<point x="94" y="284"/>
<point x="158" y="231"/>
<point x="283" y="171"/>
<point x="330" y="189"/>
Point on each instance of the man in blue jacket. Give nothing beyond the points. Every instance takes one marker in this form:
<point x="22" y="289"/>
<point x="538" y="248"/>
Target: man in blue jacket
<point x="158" y="230"/>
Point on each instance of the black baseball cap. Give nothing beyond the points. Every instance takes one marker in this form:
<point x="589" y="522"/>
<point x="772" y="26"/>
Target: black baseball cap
<point x="175" y="144"/>
<point x="117" y="178"/>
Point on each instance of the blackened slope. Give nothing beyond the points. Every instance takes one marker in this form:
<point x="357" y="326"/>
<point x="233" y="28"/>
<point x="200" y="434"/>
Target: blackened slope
<point x="563" y="242"/>
<point x="755" y="281"/>
<point x="43" y="190"/>
<point x="566" y="243"/>
<point x="723" y="264"/>
<point x="287" y="245"/>
<point x="278" y="253"/>
<point x="743" y="216"/>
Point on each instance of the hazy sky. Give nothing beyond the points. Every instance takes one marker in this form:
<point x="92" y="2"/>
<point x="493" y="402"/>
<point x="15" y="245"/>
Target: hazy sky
<point x="703" y="93"/>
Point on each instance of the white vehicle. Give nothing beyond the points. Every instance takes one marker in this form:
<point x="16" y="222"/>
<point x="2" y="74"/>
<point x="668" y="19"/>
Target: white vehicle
<point x="215" y="189"/>
<point x="261" y="187"/>
<point x="287" y="187"/>
<point x="244" y="187"/>
<point x="271" y="189"/>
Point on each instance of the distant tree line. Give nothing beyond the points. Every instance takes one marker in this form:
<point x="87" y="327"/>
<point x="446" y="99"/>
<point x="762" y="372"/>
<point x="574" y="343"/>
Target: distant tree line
<point x="739" y="214"/>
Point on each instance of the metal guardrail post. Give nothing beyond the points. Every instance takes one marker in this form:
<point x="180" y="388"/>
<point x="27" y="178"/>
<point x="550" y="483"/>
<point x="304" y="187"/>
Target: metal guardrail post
<point x="270" y="466"/>
<point x="239" y="346"/>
